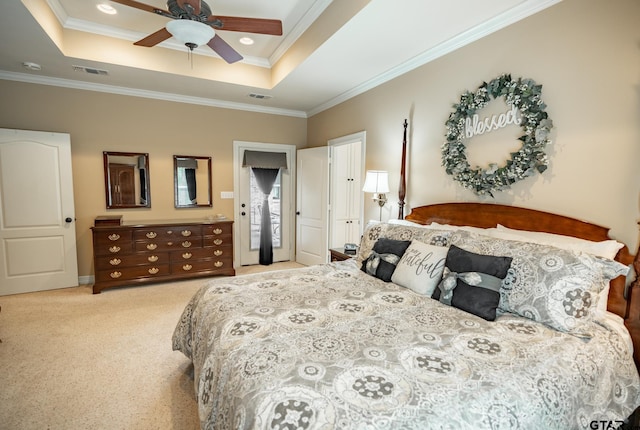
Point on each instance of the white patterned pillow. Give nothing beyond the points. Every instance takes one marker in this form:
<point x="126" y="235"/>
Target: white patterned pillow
<point x="550" y="285"/>
<point x="420" y="268"/>
<point x="399" y="232"/>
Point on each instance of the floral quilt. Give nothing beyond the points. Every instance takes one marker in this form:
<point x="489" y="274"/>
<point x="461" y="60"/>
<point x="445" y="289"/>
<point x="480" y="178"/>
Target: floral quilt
<point x="330" y="346"/>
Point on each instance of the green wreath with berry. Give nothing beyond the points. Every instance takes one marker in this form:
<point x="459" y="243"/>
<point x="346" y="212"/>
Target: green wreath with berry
<point x="521" y="94"/>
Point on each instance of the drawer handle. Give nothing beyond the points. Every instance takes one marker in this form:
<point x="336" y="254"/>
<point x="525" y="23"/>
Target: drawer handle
<point x="114" y="237"/>
<point x="217" y="253"/>
<point x="186" y="233"/>
<point x="154" y="270"/>
<point x="115" y="261"/>
<point x="170" y="243"/>
<point x="218" y="263"/>
<point x="186" y="255"/>
<point x="186" y="244"/>
<point x="114" y="249"/>
<point x="151" y="235"/>
<point x="169" y="231"/>
<point x="187" y="267"/>
<point x="152" y="246"/>
<point x="217" y="241"/>
<point x="115" y="275"/>
<point x="217" y="231"/>
<point x="152" y="258"/>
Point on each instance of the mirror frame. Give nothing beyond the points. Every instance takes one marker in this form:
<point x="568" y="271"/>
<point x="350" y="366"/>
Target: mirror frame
<point x="109" y="197"/>
<point x="175" y="183"/>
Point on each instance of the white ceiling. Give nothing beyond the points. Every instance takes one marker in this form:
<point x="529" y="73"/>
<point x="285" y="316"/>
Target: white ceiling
<point x="330" y="50"/>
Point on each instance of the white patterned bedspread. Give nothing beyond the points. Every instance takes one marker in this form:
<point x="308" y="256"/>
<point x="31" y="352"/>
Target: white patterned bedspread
<point x="329" y="347"/>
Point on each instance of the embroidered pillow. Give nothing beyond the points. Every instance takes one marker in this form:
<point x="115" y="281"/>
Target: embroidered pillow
<point x="557" y="287"/>
<point x="384" y="257"/>
<point x="471" y="282"/>
<point x="420" y="268"/>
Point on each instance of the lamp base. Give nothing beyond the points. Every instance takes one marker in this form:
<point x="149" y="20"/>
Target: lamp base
<point x="381" y="199"/>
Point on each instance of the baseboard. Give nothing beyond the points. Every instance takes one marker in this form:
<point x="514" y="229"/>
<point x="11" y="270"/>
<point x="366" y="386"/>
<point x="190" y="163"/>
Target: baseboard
<point x="86" y="280"/>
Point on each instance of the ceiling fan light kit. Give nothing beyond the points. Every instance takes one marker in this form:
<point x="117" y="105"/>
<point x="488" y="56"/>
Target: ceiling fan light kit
<point x="191" y="33"/>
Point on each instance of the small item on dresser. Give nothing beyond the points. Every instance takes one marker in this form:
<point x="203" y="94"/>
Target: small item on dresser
<point x="350" y="248"/>
<point x="104" y="220"/>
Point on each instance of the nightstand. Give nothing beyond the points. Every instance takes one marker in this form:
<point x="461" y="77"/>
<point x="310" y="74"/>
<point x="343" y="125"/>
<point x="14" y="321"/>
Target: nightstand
<point x="338" y="254"/>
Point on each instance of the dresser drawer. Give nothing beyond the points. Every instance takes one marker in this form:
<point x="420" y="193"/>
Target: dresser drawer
<point x="157" y="245"/>
<point x="193" y="254"/>
<point x="172" y="233"/>
<point x="219" y="241"/>
<point x="200" y="265"/>
<point x="131" y="273"/>
<point x="107" y="237"/>
<point x="119" y="261"/>
<point x="217" y="229"/>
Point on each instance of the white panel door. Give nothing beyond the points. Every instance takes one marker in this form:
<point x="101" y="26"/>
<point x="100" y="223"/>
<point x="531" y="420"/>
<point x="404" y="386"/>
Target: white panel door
<point x="311" y="206"/>
<point x="37" y="229"/>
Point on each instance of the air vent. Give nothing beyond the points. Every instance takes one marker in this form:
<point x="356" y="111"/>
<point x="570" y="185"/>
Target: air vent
<point x="90" y="70"/>
<point x="260" y="96"/>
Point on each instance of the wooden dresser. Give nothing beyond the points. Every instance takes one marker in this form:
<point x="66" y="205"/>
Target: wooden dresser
<point x="131" y="254"/>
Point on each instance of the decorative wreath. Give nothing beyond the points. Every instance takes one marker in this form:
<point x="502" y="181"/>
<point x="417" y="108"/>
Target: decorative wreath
<point x="524" y="95"/>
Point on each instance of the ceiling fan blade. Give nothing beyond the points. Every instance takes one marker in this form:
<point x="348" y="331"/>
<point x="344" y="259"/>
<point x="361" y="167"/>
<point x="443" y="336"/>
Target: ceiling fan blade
<point x="248" y="25"/>
<point x="141" y="6"/>
<point x="154" y="38"/>
<point x="224" y="50"/>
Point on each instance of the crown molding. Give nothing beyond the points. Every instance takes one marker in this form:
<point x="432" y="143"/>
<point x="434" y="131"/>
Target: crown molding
<point x="112" y="89"/>
<point x="492" y="25"/>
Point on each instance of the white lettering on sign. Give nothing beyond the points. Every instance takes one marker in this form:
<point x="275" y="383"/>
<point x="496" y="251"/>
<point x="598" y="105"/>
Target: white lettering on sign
<point x="474" y="125"/>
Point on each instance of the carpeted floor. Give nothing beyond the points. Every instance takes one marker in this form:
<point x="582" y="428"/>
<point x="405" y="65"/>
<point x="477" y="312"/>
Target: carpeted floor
<point x="73" y="360"/>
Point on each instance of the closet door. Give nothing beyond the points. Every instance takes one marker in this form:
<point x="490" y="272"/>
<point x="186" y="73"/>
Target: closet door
<point x="345" y="193"/>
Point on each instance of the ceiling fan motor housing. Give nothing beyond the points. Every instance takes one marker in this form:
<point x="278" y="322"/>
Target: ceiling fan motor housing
<point x="195" y="10"/>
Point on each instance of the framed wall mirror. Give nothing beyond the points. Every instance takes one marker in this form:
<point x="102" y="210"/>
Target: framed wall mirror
<point x="126" y="180"/>
<point x="192" y="181"/>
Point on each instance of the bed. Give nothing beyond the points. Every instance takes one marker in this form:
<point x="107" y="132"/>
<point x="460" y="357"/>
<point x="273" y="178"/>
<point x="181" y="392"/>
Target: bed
<point x="339" y="345"/>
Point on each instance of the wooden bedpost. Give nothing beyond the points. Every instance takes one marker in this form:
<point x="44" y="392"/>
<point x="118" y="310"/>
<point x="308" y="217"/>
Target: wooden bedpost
<point x="403" y="185"/>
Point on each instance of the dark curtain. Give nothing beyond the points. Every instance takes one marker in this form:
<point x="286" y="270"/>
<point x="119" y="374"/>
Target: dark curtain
<point x="143" y="187"/>
<point x="190" y="175"/>
<point x="265" y="178"/>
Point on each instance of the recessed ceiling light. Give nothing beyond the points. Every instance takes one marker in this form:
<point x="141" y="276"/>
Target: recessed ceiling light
<point x="31" y="66"/>
<point x="107" y="8"/>
<point x="246" y="41"/>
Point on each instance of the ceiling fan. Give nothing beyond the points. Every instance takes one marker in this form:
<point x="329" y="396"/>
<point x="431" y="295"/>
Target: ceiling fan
<point x="194" y="25"/>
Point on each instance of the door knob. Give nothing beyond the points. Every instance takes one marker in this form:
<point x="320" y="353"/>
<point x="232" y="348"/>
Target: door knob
<point x="297" y="212"/>
<point x="243" y="213"/>
<point x="243" y="205"/>
<point x="68" y="219"/>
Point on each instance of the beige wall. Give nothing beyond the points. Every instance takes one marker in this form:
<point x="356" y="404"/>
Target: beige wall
<point x="104" y="122"/>
<point x="585" y="53"/>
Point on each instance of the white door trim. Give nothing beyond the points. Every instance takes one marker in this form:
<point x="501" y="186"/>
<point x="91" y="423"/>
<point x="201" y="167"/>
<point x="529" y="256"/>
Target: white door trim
<point x="290" y="150"/>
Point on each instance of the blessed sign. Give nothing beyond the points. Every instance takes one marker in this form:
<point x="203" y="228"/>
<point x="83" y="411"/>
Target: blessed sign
<point x="475" y="126"/>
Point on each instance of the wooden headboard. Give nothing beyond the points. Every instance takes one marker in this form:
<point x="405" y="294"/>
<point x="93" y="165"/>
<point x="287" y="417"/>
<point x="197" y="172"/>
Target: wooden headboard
<point x="623" y="300"/>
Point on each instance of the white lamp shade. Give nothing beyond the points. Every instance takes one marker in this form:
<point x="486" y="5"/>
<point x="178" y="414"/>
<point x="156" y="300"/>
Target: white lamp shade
<point x="376" y="181"/>
<point x="188" y="31"/>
